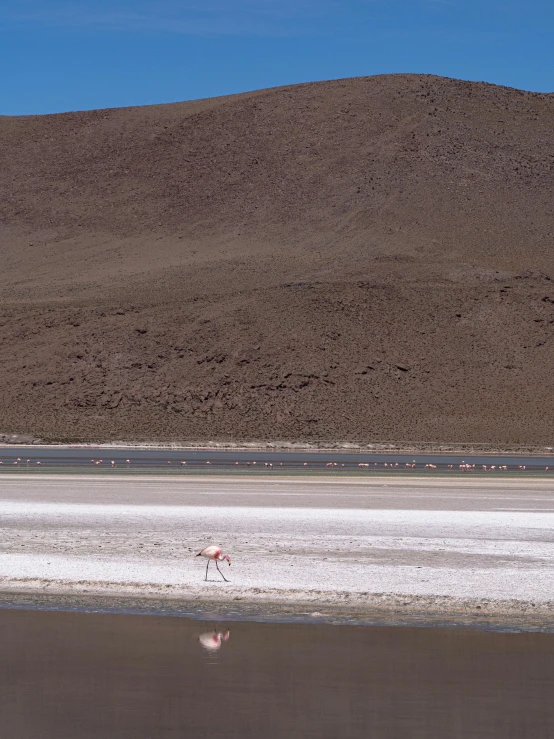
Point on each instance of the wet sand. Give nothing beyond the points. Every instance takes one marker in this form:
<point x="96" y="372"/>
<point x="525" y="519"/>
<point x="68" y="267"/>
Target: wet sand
<point x="454" y="549"/>
<point x="66" y="675"/>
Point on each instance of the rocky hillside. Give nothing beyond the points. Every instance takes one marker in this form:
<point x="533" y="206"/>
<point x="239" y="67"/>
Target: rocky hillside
<point x="365" y="259"/>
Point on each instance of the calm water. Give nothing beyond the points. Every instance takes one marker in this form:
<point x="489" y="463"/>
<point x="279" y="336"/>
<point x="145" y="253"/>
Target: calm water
<point x="14" y="458"/>
<point x="71" y="675"/>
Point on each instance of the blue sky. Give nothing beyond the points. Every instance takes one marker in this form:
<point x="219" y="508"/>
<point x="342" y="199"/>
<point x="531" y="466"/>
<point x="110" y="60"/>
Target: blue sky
<point x="59" y="55"/>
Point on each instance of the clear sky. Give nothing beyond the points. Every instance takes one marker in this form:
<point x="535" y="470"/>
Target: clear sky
<point x="58" y="55"/>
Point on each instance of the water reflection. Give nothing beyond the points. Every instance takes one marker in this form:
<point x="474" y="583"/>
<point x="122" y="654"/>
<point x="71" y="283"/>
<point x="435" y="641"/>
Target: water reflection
<point x="92" y="676"/>
<point x="212" y="640"/>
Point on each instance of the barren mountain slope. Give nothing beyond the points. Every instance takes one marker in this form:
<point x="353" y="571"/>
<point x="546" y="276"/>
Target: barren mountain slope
<point x="362" y="259"/>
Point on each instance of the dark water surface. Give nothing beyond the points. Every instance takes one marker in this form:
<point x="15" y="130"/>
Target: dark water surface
<point x="15" y="458"/>
<point x="73" y="675"/>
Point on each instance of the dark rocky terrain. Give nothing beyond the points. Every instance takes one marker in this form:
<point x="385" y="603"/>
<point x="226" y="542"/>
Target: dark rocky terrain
<point x="366" y="259"/>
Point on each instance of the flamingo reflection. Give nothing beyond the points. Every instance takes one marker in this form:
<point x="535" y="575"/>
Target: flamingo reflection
<point x="212" y="640"/>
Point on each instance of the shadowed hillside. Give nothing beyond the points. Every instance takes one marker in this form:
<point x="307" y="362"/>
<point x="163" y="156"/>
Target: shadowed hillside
<point x="364" y="259"/>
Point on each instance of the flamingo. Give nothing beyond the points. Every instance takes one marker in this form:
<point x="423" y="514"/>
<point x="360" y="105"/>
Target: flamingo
<point x="211" y="640"/>
<point x="215" y="553"/>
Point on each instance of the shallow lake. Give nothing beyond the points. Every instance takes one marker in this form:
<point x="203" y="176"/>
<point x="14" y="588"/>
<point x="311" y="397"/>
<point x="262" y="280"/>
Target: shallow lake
<point x="79" y="675"/>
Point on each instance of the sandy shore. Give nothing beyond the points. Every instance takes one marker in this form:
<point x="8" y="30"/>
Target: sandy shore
<point x="450" y="549"/>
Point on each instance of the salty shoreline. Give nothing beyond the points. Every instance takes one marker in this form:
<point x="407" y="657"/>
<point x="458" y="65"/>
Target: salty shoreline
<point x="381" y="550"/>
<point x="336" y="608"/>
<point x="9" y="440"/>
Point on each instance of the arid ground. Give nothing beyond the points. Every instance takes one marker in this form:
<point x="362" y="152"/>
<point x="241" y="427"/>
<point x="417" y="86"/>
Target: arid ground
<point x="366" y="259"/>
<point x="454" y="549"/>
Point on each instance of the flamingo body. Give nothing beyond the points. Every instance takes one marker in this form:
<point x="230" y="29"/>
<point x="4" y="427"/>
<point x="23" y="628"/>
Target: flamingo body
<point x="214" y="553"/>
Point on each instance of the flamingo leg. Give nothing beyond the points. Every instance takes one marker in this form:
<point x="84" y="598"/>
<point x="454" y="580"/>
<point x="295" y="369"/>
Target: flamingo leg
<point x="221" y="573"/>
<point x="206" y="578"/>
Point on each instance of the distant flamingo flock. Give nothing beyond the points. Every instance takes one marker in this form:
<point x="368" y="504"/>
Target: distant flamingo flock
<point x="372" y="466"/>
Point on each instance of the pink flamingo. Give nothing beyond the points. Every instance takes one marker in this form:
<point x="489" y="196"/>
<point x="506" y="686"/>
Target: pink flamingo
<point x="214" y="553"/>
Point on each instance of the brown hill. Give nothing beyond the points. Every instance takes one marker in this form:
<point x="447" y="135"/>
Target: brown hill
<point x="362" y="259"/>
